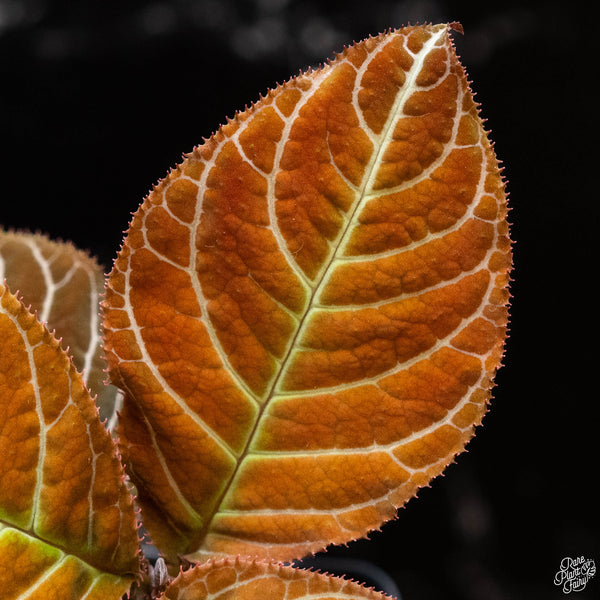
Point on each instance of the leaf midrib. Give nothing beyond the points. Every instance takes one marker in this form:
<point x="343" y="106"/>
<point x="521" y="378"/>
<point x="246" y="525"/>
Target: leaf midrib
<point x="368" y="177"/>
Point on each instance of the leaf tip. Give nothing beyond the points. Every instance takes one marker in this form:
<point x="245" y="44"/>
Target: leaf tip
<point x="456" y="26"/>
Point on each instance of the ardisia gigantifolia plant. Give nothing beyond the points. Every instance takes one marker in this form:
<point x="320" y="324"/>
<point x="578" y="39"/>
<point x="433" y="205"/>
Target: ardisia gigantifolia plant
<point x="304" y="322"/>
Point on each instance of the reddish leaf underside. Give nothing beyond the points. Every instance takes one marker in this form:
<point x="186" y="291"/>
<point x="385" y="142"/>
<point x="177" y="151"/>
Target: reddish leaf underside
<point x="308" y="312"/>
<point x="244" y="580"/>
<point x="63" y="286"/>
<point x="67" y="523"/>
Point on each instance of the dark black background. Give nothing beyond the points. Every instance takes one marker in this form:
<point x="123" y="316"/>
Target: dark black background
<point x="98" y="99"/>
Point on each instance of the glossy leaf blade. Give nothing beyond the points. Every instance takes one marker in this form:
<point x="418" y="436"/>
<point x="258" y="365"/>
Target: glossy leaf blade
<point x="243" y="579"/>
<point x="307" y="314"/>
<point x="63" y="286"/>
<point x="67" y="522"/>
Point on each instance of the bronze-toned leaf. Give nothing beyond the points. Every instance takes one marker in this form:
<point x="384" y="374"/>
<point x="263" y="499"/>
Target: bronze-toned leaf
<point x="308" y="312"/>
<point x="67" y="522"/>
<point x="239" y="579"/>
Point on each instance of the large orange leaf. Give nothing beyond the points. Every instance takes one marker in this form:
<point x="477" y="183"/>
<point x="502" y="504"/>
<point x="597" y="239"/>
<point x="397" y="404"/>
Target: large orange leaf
<point x="63" y="286"/>
<point x="243" y="579"/>
<point x="67" y="522"/>
<point x="308" y="312"/>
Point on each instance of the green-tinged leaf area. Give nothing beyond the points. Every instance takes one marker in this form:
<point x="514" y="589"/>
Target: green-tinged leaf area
<point x="32" y="569"/>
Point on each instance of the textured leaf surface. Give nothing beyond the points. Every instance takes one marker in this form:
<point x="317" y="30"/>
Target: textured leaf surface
<point x="308" y="312"/>
<point x="67" y="523"/>
<point x="63" y="286"/>
<point x="242" y="580"/>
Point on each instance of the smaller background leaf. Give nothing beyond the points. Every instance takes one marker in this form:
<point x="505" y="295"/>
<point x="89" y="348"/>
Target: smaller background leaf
<point x="63" y="286"/>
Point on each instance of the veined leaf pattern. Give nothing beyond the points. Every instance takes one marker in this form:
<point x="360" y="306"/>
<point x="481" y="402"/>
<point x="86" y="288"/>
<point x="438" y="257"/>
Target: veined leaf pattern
<point x="63" y="286"/>
<point x="67" y="522"/>
<point x="239" y="579"/>
<point x="307" y="313"/>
